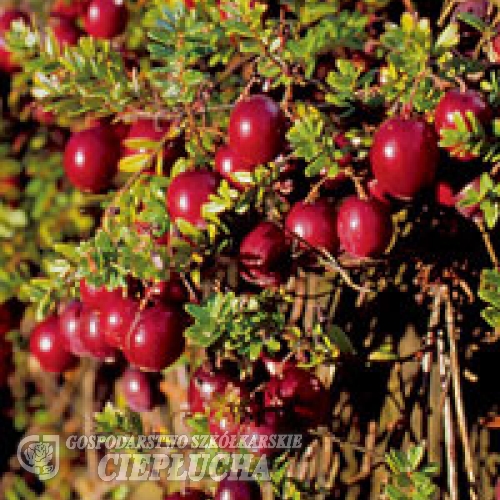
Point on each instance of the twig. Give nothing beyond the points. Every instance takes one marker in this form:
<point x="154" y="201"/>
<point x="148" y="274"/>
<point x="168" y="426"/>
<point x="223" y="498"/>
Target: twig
<point x="487" y="242"/>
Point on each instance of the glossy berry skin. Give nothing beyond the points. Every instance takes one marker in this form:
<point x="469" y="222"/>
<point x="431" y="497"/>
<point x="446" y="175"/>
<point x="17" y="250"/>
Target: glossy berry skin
<point x="69" y="324"/>
<point x="92" y="336"/>
<point x="138" y="390"/>
<point x="267" y="423"/>
<point x="364" y="227"/>
<point x="188" y="494"/>
<point x="315" y="223"/>
<point x="404" y="156"/>
<point x="229" y="162"/>
<point x="70" y="9"/>
<point x="238" y="490"/>
<point x="47" y="346"/>
<point x="91" y="159"/>
<point x="97" y="297"/>
<point x="65" y="31"/>
<point x="456" y="102"/>
<point x="106" y="18"/>
<point x="153" y="130"/>
<point x="300" y="393"/>
<point x="187" y="194"/>
<point x="171" y="291"/>
<point x="7" y="17"/>
<point x="263" y="253"/>
<point x="157" y="340"/>
<point x="117" y="318"/>
<point x="444" y="194"/>
<point x="257" y="129"/>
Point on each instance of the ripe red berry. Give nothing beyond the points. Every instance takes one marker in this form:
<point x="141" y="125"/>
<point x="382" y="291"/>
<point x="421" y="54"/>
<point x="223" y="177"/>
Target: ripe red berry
<point x="496" y="47"/>
<point x="188" y="494"/>
<point x="92" y="335"/>
<point x="364" y="227"/>
<point x="138" y="388"/>
<point x="91" y="158"/>
<point x="117" y="318"/>
<point x="444" y="194"/>
<point x="96" y="297"/>
<point x="171" y="291"/>
<point x="106" y="18"/>
<point x="454" y="103"/>
<point x="187" y="194"/>
<point x="238" y="490"/>
<point x="229" y="162"/>
<point x="47" y="346"/>
<point x="157" y="340"/>
<point x="263" y="255"/>
<point x="69" y="324"/>
<point x="404" y="156"/>
<point x="266" y="423"/>
<point x="315" y="223"/>
<point x="7" y="17"/>
<point x="300" y="393"/>
<point x="257" y="129"/>
<point x="65" y="31"/>
<point x="70" y="9"/>
<point x="154" y="130"/>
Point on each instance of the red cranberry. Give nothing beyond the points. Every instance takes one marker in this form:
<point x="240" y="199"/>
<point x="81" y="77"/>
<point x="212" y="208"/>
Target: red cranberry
<point x="445" y="194"/>
<point x="171" y="291"/>
<point x="117" y="318"/>
<point x="456" y="102"/>
<point x="157" y="340"/>
<point x="69" y="324"/>
<point x="229" y="162"/>
<point x="224" y="424"/>
<point x="7" y="17"/>
<point x="65" y="31"/>
<point x="302" y="394"/>
<point x="106" y="18"/>
<point x="315" y="223"/>
<point x="263" y="253"/>
<point x="205" y="385"/>
<point x="268" y="423"/>
<point x="238" y="490"/>
<point x="47" y="346"/>
<point x="496" y="47"/>
<point x="257" y="129"/>
<point x="474" y="211"/>
<point x="187" y="194"/>
<point x="364" y="227"/>
<point x="190" y="4"/>
<point x="377" y="193"/>
<point x="92" y="335"/>
<point x="91" y="159"/>
<point x="70" y="8"/>
<point x="138" y="389"/>
<point x="188" y="494"/>
<point x="96" y="297"/>
<point x="404" y="156"/>
<point x="41" y="116"/>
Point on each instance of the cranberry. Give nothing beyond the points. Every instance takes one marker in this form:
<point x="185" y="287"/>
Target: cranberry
<point x="190" y="4"/>
<point x="263" y="255"/>
<point x="171" y="291"/>
<point x="157" y="340"/>
<point x="315" y="223"/>
<point x="474" y="211"/>
<point x="404" y="156"/>
<point x="47" y="346"/>
<point x="95" y="297"/>
<point x="302" y="394"/>
<point x="377" y="193"/>
<point x="91" y="159"/>
<point x="106" y="18"/>
<point x="267" y="423"/>
<point x="7" y="17"/>
<point x="187" y="194"/>
<point x="257" y="129"/>
<point x="69" y="324"/>
<point x="138" y="388"/>
<point x="188" y="494"/>
<point x="41" y="116"/>
<point x="70" y="8"/>
<point x="456" y="102"/>
<point x="496" y="47"/>
<point x="364" y="227"/>
<point x="206" y="384"/>
<point x="65" y="31"/>
<point x="444" y="194"/>
<point x="117" y="318"/>
<point x="229" y="162"/>
<point x="223" y="422"/>
<point x="238" y="490"/>
<point x="92" y="335"/>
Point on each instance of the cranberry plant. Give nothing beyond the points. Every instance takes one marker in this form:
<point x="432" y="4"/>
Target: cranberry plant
<point x="234" y="200"/>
